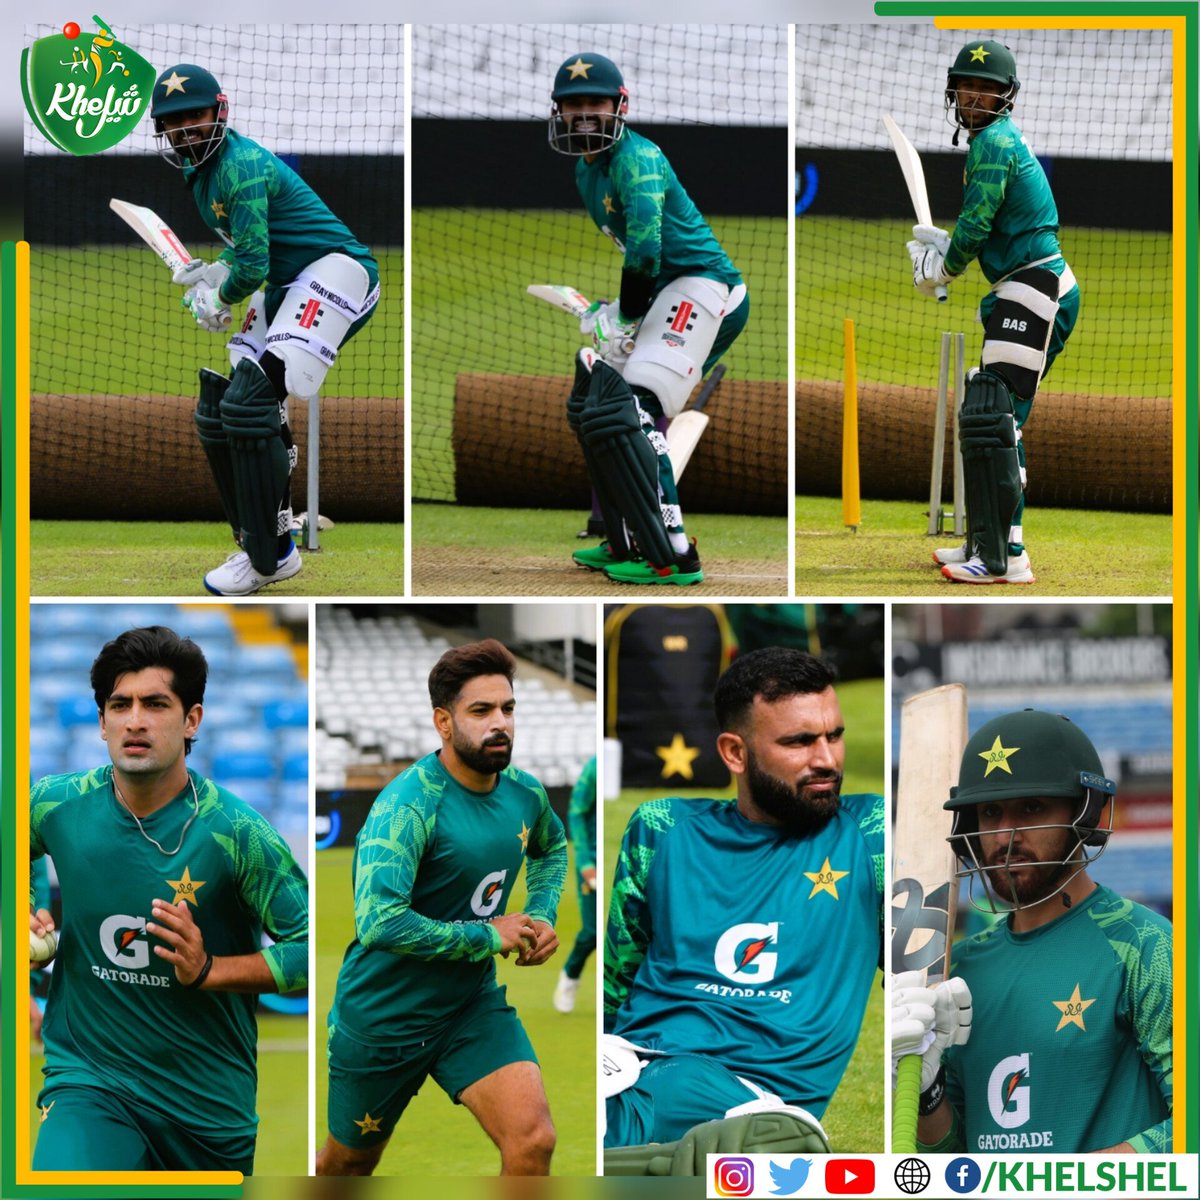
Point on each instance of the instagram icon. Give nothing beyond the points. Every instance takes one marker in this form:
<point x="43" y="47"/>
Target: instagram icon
<point x="734" y="1176"/>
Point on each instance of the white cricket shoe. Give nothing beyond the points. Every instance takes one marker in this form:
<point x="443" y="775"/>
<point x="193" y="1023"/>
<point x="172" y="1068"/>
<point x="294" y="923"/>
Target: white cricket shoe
<point x="564" y="993"/>
<point x="237" y="577"/>
<point x="974" y="571"/>
<point x="952" y="554"/>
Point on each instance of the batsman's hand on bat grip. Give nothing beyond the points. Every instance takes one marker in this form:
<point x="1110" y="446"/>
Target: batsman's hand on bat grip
<point x="196" y="272"/>
<point x="205" y="304"/>
<point x="612" y="334"/>
<point x="913" y="1017"/>
<point x="935" y="236"/>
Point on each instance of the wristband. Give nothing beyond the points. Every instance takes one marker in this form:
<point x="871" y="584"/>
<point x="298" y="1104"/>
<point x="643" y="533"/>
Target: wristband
<point x="932" y="1096"/>
<point x="204" y="970"/>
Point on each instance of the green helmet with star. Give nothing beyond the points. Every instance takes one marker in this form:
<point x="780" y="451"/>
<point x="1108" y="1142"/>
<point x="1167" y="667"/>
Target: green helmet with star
<point x="1031" y="754"/>
<point x="988" y="60"/>
<point x="593" y="76"/>
<point x="186" y="88"/>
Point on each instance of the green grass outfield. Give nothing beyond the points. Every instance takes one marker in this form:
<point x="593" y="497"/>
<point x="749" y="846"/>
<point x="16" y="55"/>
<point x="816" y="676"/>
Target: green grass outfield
<point x="435" y="1137"/>
<point x="1121" y="345"/>
<point x="854" y="1119"/>
<point x="139" y="341"/>
<point x="1073" y="553"/>
<point x="153" y="558"/>
<point x="471" y="312"/>
<point x="282" y="1095"/>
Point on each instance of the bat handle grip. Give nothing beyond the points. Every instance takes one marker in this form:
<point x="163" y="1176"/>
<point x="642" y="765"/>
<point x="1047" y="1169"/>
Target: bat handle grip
<point x="941" y="294"/>
<point x="906" y="1105"/>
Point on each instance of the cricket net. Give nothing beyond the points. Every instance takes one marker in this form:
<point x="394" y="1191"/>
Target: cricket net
<point x="115" y="358"/>
<point x="495" y="209"/>
<point x="1096" y="107"/>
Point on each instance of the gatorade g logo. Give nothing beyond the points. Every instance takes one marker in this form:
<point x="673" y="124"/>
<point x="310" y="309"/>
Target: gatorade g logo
<point x="84" y="91"/>
<point x="123" y="941"/>
<point x="1008" y="1091"/>
<point x="742" y="954"/>
<point x="487" y="895"/>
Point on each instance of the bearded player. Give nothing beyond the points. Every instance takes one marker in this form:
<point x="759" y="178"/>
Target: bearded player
<point x="435" y="865"/>
<point x="311" y="287"/>
<point x="1074" y="983"/>
<point x="681" y="305"/>
<point x="1009" y="222"/>
<point x="743" y="936"/>
<point x="168" y="883"/>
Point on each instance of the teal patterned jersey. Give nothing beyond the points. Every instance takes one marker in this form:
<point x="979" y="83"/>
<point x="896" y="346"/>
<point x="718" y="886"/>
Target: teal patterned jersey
<point x="272" y="223"/>
<point x="581" y="817"/>
<point x="726" y="937"/>
<point x="1009" y="218"/>
<point x="117" y="1018"/>
<point x="434" y="862"/>
<point x="1070" y="1046"/>
<point x="634" y="197"/>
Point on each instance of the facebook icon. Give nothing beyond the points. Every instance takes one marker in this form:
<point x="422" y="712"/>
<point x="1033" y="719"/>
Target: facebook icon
<point x="963" y="1175"/>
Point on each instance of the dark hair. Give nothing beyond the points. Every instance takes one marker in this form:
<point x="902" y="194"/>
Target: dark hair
<point x="457" y="667"/>
<point x="772" y="673"/>
<point x="153" y="646"/>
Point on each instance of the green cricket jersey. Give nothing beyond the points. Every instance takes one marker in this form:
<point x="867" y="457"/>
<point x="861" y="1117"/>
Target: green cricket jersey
<point x="434" y="862"/>
<point x="117" y="1019"/>
<point x="1070" y="1046"/>
<point x="581" y="817"/>
<point x="728" y="938"/>
<point x="1009" y="218"/>
<point x="272" y="223"/>
<point x="634" y="196"/>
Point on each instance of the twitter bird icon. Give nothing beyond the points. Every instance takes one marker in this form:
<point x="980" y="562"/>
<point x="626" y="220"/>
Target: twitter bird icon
<point x="789" y="1180"/>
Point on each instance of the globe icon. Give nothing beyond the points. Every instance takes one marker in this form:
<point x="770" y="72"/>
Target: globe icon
<point x="912" y="1176"/>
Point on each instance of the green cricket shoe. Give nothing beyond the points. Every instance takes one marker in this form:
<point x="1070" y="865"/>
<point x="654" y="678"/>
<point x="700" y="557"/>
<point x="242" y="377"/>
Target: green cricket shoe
<point x="683" y="571"/>
<point x="782" y="1131"/>
<point x="596" y="558"/>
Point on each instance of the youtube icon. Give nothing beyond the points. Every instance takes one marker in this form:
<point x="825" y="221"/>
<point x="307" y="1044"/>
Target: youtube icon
<point x="850" y="1176"/>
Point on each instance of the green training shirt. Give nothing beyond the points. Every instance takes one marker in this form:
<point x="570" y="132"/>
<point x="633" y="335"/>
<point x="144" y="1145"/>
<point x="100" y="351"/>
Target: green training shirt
<point x="581" y="817"/>
<point x="1009" y="218"/>
<point x="1070" y="1046"/>
<point x="272" y="223"/>
<point x="434" y="862"/>
<point x="634" y="196"/>
<point x="117" y="1018"/>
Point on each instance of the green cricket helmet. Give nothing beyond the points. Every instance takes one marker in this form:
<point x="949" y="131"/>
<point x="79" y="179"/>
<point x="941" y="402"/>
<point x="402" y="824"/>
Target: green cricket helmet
<point x="594" y="76"/>
<point x="1031" y="754"/>
<point x="186" y="88"/>
<point x="981" y="60"/>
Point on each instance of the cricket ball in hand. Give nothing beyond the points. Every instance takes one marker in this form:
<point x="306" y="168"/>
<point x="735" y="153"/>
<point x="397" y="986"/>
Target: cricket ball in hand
<point x="42" y="949"/>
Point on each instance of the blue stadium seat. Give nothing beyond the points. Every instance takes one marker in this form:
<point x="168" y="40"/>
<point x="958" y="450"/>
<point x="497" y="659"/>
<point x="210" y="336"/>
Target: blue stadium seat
<point x="285" y="713"/>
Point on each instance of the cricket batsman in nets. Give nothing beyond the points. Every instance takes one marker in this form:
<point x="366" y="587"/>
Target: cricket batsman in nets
<point x="1054" y="1032"/>
<point x="1009" y="221"/>
<point x="311" y="287"/>
<point x="682" y="303"/>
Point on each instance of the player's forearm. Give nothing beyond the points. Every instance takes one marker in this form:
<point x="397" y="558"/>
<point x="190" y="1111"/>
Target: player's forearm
<point x="400" y="930"/>
<point x="936" y="1132"/>
<point x="1158" y="1139"/>
<point x="544" y="878"/>
<point x="239" y="973"/>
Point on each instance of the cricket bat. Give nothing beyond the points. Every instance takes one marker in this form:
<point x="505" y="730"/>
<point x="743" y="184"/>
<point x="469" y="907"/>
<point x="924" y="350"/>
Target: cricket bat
<point x="686" y="430"/>
<point x="154" y="231"/>
<point x="569" y="300"/>
<point x="914" y="177"/>
<point x="933" y="733"/>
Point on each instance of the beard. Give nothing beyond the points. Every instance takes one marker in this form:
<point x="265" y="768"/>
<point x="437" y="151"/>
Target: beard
<point x="799" y="810"/>
<point x="488" y="757"/>
<point x="1034" y="883"/>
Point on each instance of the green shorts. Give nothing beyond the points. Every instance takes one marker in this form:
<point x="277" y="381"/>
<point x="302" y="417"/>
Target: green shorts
<point x="371" y="1085"/>
<point x="92" y="1129"/>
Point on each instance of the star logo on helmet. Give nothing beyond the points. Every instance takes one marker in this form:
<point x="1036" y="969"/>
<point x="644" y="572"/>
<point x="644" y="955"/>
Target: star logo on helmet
<point x="979" y="53"/>
<point x="579" y="69"/>
<point x="174" y="83"/>
<point x="997" y="757"/>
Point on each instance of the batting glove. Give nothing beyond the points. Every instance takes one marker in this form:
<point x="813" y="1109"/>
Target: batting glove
<point x="926" y="1021"/>
<point x="612" y="334"/>
<point x="205" y="304"/>
<point x="928" y="266"/>
<point x="935" y="236"/>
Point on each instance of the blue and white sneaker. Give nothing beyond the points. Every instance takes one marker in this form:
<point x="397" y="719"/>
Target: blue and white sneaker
<point x="237" y="577"/>
<point x="974" y="571"/>
<point x="951" y="554"/>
